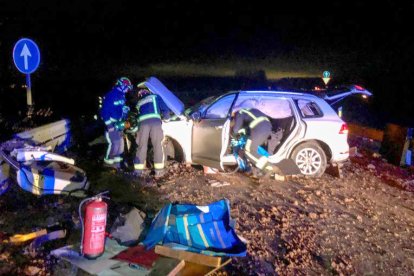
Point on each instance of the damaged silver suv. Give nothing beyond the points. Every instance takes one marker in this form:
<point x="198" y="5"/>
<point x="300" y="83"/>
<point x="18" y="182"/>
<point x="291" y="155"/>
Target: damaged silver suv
<point x="305" y="129"/>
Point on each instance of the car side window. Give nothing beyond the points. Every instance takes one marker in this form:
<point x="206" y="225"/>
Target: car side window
<point x="220" y="108"/>
<point x="309" y="109"/>
<point x="273" y="106"/>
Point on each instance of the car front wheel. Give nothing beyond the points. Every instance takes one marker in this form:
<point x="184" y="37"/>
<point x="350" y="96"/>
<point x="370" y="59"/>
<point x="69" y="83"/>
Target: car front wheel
<point x="310" y="159"/>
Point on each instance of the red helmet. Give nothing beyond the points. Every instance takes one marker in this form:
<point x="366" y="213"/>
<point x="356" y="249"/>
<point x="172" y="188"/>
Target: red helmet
<point x="124" y="84"/>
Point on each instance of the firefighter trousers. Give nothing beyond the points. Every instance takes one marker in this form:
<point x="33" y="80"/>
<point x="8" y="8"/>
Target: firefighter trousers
<point x="150" y="129"/>
<point x="258" y="136"/>
<point x="115" y="150"/>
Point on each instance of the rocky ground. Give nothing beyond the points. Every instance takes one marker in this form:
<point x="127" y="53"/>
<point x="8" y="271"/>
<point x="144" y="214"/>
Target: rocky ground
<point x="362" y="223"/>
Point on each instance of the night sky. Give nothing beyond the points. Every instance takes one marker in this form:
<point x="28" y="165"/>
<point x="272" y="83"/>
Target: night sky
<point x="87" y="42"/>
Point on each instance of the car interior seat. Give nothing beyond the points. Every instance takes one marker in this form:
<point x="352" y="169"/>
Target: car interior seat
<point x="281" y="128"/>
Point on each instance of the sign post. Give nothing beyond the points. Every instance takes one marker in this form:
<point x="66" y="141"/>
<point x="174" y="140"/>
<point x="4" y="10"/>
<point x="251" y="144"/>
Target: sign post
<point x="29" y="90"/>
<point x="26" y="57"/>
<point x="326" y="77"/>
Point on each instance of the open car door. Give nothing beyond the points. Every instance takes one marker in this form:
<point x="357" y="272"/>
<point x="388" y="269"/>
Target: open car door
<point x="209" y="130"/>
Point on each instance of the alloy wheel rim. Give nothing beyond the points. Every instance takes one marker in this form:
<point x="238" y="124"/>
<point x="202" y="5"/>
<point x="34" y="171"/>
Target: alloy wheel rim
<point x="309" y="161"/>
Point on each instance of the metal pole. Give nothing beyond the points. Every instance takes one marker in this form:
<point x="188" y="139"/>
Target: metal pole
<point x="29" y="96"/>
<point x="29" y="90"/>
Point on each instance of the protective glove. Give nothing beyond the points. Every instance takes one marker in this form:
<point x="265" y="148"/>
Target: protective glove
<point x="125" y="111"/>
<point x="119" y="126"/>
<point x="132" y="130"/>
<point x="234" y="142"/>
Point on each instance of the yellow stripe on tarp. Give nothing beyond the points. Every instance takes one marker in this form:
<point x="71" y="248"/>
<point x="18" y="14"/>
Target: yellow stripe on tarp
<point x="36" y="182"/>
<point x="203" y="237"/>
<point x="187" y="233"/>
<point x="219" y="234"/>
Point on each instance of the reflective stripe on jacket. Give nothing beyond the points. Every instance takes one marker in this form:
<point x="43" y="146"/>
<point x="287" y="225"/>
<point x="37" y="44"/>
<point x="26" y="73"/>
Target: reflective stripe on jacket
<point x="148" y="108"/>
<point x="248" y="118"/>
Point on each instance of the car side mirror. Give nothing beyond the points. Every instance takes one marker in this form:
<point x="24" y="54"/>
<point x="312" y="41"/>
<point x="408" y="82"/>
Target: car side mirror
<point x="196" y="116"/>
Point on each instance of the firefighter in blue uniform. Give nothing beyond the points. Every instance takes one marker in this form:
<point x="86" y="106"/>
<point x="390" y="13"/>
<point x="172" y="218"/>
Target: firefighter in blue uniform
<point x="257" y="127"/>
<point x="113" y="113"/>
<point x="150" y="107"/>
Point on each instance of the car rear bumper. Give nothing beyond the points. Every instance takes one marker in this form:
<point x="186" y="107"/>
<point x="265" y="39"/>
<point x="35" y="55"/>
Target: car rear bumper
<point x="341" y="157"/>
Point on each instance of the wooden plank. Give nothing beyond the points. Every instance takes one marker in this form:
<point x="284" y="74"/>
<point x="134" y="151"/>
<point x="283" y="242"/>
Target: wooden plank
<point x="219" y="267"/>
<point x="192" y="269"/>
<point x="177" y="269"/>
<point x="188" y="256"/>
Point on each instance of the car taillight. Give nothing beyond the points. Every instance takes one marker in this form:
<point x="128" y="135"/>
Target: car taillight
<point x="359" y="87"/>
<point x="344" y="129"/>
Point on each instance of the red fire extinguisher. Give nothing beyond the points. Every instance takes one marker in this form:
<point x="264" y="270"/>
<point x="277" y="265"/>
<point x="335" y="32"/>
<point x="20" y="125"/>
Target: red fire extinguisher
<point x="93" y="226"/>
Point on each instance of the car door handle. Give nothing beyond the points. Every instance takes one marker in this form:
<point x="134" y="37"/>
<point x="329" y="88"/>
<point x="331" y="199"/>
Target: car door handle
<point x="219" y="127"/>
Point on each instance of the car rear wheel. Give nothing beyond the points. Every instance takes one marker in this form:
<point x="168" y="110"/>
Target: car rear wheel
<point x="310" y="159"/>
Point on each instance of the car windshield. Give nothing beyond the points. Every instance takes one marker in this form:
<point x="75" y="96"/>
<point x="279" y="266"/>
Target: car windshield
<point x="200" y="106"/>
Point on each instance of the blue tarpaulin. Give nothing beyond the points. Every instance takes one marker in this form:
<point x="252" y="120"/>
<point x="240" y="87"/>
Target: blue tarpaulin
<point x="203" y="229"/>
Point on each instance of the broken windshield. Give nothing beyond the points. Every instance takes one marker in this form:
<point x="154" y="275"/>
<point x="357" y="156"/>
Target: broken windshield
<point x="200" y="106"/>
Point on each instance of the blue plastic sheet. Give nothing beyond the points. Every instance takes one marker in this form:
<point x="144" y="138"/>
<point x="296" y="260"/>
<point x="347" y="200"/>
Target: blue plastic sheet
<point x="202" y="229"/>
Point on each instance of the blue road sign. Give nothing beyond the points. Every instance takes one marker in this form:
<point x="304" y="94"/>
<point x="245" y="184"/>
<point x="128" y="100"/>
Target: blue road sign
<point x="26" y="56"/>
<point x="326" y="74"/>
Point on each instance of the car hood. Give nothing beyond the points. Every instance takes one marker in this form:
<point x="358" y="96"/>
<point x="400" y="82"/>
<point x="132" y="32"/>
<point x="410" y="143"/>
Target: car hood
<point x="157" y="87"/>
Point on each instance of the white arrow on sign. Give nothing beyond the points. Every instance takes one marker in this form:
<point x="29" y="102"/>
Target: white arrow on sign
<point x="25" y="54"/>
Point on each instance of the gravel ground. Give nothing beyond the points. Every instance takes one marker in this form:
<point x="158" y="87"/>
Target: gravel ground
<point x="362" y="223"/>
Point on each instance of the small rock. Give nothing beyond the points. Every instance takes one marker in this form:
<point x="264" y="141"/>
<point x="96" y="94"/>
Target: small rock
<point x="376" y="155"/>
<point x="371" y="167"/>
<point x="347" y="200"/>
<point x="32" y="270"/>
<point x="313" y="215"/>
<point x="359" y="218"/>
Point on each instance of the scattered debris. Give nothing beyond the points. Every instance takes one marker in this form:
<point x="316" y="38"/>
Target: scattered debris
<point x="209" y="170"/>
<point x="192" y="257"/>
<point x="215" y="183"/>
<point x="35" y="246"/>
<point x="71" y="254"/>
<point x="138" y="255"/>
<point x="36" y="168"/>
<point x="127" y="228"/>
